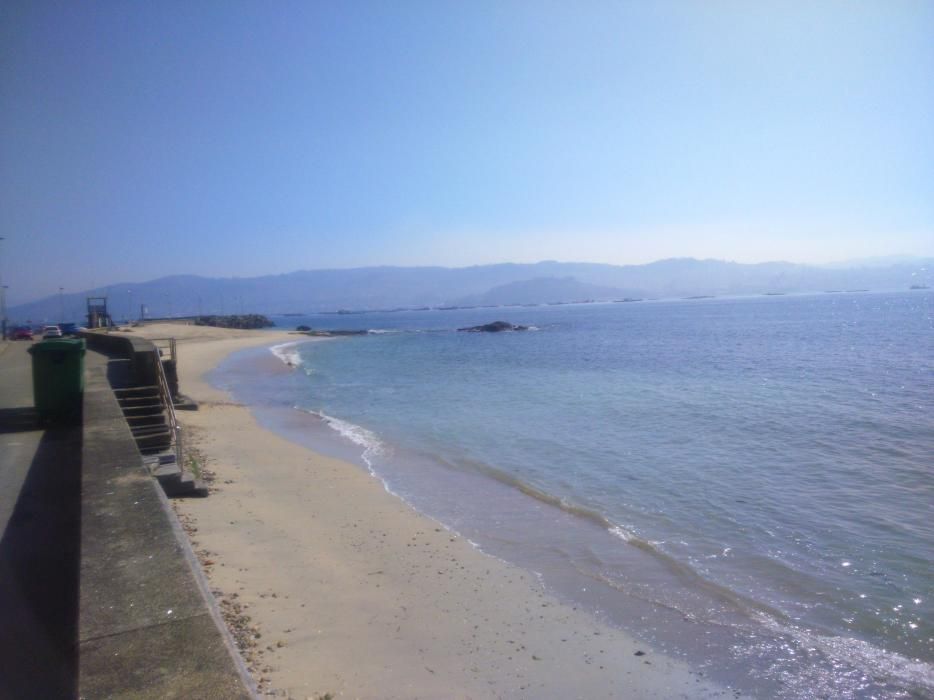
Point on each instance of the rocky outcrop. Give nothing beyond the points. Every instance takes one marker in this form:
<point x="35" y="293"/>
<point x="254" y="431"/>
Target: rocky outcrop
<point x="319" y="333"/>
<point x="495" y="327"/>
<point x="244" y="321"/>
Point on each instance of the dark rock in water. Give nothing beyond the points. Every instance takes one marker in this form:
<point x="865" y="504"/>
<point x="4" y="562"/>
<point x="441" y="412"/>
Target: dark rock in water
<point x="332" y="334"/>
<point x="495" y="327"/>
<point x="303" y="328"/>
<point x="242" y="321"/>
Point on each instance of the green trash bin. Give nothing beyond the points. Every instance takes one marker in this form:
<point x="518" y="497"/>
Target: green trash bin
<point x="58" y="378"/>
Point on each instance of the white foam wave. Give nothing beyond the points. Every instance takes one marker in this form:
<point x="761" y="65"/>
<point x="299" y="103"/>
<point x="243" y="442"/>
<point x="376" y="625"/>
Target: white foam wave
<point x="382" y="331"/>
<point x="624" y="535"/>
<point x="358" y="435"/>
<point x="288" y="353"/>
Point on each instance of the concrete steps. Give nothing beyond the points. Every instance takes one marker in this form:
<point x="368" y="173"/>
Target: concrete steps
<point x="174" y="481"/>
<point x="149" y="424"/>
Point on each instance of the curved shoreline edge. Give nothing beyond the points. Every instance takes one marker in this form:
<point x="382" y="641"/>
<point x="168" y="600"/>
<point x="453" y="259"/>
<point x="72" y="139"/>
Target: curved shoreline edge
<point x="351" y="590"/>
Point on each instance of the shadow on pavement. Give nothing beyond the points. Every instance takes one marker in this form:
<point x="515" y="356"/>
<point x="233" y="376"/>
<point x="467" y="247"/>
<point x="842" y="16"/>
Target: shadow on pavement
<point x="39" y="571"/>
<point x="18" y="420"/>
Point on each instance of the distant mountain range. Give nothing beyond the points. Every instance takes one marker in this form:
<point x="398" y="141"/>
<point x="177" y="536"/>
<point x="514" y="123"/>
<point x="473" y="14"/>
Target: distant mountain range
<point x="545" y="282"/>
<point x="542" y="290"/>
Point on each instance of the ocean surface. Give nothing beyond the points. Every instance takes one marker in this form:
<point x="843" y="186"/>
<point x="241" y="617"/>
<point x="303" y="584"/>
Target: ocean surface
<point x="745" y="483"/>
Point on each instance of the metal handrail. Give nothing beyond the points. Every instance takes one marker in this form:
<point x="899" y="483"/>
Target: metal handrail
<point x="166" y="395"/>
<point x="165" y="344"/>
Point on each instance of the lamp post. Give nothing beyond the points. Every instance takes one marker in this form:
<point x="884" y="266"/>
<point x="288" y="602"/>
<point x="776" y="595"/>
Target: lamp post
<point x="129" y="306"/>
<point x="3" y="299"/>
<point x="3" y="289"/>
<point x="61" y="305"/>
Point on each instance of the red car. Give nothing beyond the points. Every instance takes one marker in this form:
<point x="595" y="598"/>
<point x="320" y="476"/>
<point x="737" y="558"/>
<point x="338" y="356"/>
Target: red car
<point x="21" y="333"/>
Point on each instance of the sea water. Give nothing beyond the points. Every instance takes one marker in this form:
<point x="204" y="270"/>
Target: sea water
<point x="745" y="483"/>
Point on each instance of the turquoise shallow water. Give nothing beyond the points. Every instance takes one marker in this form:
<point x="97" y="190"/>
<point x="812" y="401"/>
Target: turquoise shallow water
<point x="748" y="483"/>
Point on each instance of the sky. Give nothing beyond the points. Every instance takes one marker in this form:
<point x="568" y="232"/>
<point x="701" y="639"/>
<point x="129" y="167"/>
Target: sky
<point x="231" y="138"/>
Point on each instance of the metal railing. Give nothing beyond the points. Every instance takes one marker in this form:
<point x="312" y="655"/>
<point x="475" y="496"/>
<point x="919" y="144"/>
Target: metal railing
<point x="166" y="395"/>
<point x="166" y="347"/>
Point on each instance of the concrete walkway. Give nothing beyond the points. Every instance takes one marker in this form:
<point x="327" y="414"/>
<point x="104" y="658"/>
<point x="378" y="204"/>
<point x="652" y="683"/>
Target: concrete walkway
<point x="98" y="596"/>
<point x="40" y="511"/>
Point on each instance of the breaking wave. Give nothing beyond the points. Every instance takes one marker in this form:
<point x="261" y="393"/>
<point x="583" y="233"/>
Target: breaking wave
<point x="372" y="446"/>
<point x="288" y="353"/>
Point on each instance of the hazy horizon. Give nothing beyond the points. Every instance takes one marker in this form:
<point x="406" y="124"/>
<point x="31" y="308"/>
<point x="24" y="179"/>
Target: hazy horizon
<point x="146" y="141"/>
<point x="855" y="263"/>
<point x="504" y="283"/>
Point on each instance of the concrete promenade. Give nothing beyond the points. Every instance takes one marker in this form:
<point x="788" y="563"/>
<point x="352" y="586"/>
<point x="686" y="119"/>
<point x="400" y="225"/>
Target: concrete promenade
<point x="99" y="597"/>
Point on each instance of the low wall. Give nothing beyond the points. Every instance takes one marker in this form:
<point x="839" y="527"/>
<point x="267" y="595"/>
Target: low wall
<point x="142" y="353"/>
<point x="148" y="625"/>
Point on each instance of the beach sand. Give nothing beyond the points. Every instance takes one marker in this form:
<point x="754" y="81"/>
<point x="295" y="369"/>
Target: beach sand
<point x="346" y="590"/>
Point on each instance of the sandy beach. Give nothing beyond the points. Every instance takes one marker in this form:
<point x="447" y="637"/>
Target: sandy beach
<point x="342" y="588"/>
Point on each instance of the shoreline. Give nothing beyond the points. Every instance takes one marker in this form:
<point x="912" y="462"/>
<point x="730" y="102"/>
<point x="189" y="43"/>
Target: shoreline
<point x="343" y="588"/>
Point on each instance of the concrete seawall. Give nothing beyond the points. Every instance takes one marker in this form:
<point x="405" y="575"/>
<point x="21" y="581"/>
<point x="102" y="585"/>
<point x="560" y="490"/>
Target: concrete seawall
<point x="100" y="593"/>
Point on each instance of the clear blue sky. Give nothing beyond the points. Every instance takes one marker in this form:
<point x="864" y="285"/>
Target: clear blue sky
<point x="243" y="138"/>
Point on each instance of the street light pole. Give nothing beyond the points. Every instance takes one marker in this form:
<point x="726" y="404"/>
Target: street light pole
<point x="3" y="299"/>
<point x="61" y="305"/>
<point x="3" y="289"/>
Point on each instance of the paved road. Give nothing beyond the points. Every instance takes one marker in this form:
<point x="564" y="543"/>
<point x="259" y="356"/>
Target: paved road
<point x="18" y="443"/>
<point x="40" y="517"/>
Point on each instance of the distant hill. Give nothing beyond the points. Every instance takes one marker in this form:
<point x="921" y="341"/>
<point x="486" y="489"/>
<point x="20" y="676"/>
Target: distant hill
<point x="507" y="283"/>
<point x="547" y="290"/>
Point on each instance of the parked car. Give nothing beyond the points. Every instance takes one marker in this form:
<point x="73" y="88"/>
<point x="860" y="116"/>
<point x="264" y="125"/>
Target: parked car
<point x="21" y="333"/>
<point x="68" y="328"/>
<point x="51" y="332"/>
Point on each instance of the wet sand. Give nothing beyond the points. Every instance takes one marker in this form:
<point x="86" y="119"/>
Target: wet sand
<point x="333" y="585"/>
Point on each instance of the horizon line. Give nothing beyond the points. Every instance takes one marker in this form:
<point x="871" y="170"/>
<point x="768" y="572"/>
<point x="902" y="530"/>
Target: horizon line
<point x="895" y="259"/>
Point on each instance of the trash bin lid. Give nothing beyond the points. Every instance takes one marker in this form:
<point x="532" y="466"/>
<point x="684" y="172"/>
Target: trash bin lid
<point x="58" y="345"/>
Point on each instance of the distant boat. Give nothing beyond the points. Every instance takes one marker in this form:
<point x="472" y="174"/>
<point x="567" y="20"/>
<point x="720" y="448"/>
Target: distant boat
<point x="774" y="294"/>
